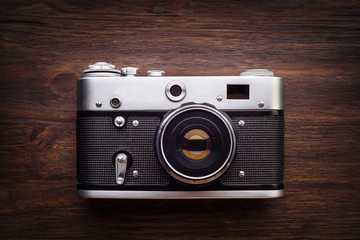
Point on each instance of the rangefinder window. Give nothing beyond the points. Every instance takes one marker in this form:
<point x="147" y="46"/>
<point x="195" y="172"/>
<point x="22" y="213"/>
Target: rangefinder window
<point x="237" y="91"/>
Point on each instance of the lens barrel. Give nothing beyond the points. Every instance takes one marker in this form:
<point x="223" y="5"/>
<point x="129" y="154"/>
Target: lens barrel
<point x="195" y="143"/>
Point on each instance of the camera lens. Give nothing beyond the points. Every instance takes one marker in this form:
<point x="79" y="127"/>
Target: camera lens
<point x="195" y="143"/>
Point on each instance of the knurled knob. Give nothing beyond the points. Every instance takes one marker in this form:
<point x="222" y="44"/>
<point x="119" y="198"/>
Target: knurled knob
<point x="129" y="71"/>
<point x="101" y="67"/>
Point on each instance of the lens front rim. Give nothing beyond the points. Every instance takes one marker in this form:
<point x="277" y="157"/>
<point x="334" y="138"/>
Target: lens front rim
<point x="179" y="175"/>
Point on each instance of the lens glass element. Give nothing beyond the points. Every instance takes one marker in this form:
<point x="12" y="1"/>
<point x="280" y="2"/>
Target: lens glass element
<point x="196" y="144"/>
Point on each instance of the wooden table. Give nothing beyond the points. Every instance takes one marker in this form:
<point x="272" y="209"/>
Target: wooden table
<point x="313" y="45"/>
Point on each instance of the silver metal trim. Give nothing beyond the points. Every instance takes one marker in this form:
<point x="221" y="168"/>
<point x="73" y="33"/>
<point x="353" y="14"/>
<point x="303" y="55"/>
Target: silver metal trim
<point x="189" y="179"/>
<point x="147" y="93"/>
<point x="236" y="194"/>
<point x="172" y="97"/>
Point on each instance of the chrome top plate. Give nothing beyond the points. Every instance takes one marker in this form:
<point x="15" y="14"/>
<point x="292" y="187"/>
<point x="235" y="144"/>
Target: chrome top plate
<point x="149" y="93"/>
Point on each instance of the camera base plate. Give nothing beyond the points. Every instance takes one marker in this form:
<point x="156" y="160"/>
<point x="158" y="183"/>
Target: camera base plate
<point x="227" y="194"/>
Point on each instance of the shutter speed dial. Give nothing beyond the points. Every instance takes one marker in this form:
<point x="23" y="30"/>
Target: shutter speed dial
<point x="105" y="68"/>
<point x="101" y="67"/>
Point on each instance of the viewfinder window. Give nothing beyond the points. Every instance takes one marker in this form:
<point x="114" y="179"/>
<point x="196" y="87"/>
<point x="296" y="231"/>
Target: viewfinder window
<point x="237" y="91"/>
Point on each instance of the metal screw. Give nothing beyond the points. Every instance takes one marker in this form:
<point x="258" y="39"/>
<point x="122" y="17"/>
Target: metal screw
<point x="135" y="123"/>
<point x="98" y="104"/>
<point x="121" y="158"/>
<point x="135" y="173"/>
<point x="119" y="121"/>
<point x="241" y="123"/>
<point x="219" y="98"/>
<point x="261" y="104"/>
<point x="241" y="174"/>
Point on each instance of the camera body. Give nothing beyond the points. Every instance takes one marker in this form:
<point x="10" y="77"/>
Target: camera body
<point x="179" y="137"/>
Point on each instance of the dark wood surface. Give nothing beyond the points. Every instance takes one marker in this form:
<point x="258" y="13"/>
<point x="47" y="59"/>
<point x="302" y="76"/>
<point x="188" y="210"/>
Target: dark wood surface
<point x="313" y="45"/>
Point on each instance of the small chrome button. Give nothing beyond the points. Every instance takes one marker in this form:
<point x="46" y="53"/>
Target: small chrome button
<point x="257" y="72"/>
<point x="119" y="121"/>
<point x="129" y="71"/>
<point x="155" y="73"/>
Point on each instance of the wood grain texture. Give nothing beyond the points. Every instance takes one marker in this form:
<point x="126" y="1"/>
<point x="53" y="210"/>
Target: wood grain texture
<point x="313" y="45"/>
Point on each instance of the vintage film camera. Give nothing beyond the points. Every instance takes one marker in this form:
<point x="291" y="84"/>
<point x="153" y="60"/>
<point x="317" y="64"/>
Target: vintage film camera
<point x="179" y="137"/>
